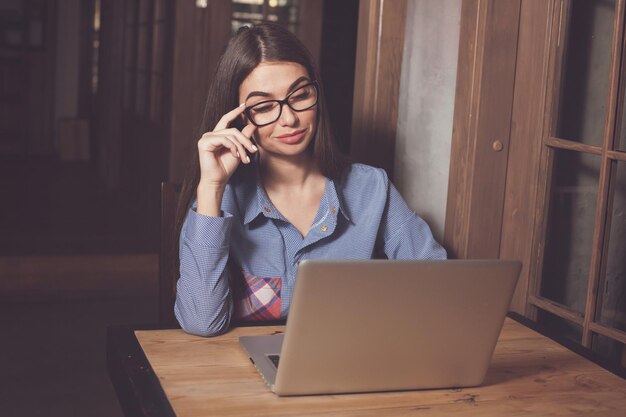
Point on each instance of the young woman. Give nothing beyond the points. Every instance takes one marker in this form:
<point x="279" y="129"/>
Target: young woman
<point x="268" y="188"/>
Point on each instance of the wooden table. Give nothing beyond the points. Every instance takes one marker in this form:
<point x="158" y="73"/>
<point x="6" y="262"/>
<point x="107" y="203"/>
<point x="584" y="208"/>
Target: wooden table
<point x="168" y="372"/>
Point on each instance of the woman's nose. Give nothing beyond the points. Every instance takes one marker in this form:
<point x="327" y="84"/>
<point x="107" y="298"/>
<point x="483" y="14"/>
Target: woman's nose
<point x="288" y="117"/>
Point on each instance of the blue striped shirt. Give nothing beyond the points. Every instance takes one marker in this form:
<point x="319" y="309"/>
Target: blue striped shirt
<point x="363" y="216"/>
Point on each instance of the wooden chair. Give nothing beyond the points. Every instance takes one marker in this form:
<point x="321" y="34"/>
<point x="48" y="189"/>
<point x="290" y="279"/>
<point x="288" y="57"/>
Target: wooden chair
<point x="168" y="255"/>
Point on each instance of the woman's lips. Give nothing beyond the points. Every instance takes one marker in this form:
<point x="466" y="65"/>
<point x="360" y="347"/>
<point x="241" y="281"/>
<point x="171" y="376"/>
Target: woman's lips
<point x="291" y="139"/>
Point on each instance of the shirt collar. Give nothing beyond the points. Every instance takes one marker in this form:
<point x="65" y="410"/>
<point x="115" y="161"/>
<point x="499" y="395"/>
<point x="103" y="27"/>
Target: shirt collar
<point x="254" y="200"/>
<point x="334" y="198"/>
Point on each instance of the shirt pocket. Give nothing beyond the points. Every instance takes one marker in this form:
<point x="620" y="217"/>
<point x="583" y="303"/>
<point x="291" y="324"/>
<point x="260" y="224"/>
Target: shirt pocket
<point x="256" y="298"/>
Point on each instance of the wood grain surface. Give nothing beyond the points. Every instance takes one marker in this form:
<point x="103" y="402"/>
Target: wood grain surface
<point x="530" y="375"/>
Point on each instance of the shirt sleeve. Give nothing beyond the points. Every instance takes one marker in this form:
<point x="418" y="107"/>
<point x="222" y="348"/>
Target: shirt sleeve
<point x="203" y="299"/>
<point x="404" y="234"/>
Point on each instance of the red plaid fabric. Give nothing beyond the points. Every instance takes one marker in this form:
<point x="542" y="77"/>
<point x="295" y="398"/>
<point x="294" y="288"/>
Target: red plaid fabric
<point x="258" y="299"/>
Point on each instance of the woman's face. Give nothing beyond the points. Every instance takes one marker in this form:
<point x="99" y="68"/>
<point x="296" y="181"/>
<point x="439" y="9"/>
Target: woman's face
<point x="292" y="133"/>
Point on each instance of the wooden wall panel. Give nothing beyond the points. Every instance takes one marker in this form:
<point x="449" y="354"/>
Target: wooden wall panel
<point x="380" y="43"/>
<point x="525" y="142"/>
<point x="463" y="124"/>
<point x="200" y="35"/>
<point x="309" y="30"/>
<point x="482" y="117"/>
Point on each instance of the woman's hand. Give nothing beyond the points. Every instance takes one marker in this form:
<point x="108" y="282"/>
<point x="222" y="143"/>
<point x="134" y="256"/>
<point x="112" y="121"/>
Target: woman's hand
<point x="222" y="150"/>
<point x="220" y="153"/>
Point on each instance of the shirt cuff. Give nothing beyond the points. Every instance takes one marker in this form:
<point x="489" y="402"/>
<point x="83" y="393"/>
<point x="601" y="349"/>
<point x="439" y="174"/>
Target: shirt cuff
<point x="208" y="231"/>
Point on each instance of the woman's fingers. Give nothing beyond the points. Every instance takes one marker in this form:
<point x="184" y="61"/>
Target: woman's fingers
<point x="248" y="131"/>
<point x="229" y="117"/>
<point x="243" y="136"/>
<point x="214" y="142"/>
<point x="237" y="142"/>
<point x="243" y="155"/>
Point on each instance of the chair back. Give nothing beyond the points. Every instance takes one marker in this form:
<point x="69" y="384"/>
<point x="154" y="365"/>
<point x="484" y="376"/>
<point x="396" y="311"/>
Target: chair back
<point x="168" y="254"/>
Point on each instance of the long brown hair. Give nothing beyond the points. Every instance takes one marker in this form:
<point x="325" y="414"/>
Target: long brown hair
<point x="265" y="42"/>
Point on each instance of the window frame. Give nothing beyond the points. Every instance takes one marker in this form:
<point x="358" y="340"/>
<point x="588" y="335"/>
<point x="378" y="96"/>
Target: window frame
<point x="607" y="152"/>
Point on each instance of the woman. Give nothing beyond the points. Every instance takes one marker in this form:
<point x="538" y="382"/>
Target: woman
<point x="271" y="189"/>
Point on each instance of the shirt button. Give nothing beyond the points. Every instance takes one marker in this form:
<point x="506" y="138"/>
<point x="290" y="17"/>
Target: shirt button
<point x="267" y="209"/>
<point x="324" y="228"/>
<point x="333" y="210"/>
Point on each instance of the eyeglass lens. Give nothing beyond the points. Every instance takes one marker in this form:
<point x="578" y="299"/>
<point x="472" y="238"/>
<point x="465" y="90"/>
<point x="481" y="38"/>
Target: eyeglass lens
<point x="268" y="112"/>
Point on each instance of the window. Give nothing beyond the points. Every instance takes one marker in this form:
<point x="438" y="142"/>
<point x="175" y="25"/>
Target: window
<point x="580" y="278"/>
<point x="247" y="12"/>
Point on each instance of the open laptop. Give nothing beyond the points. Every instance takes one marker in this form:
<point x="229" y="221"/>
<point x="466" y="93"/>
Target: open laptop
<point x="380" y="325"/>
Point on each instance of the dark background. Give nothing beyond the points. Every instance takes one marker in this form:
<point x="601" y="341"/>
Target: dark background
<point x="79" y="212"/>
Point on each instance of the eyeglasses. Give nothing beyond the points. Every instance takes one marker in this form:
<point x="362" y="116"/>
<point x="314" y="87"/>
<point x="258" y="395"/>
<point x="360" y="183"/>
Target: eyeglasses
<point x="267" y="112"/>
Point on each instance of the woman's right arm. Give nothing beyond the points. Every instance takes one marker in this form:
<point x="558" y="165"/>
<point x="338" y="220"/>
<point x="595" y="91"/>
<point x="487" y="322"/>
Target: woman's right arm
<point x="203" y="301"/>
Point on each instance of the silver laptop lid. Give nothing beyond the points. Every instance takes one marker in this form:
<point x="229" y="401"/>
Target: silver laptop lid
<point x="358" y="326"/>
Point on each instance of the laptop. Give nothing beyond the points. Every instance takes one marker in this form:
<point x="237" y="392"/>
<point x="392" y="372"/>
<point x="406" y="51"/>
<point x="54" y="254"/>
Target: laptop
<point x="382" y="325"/>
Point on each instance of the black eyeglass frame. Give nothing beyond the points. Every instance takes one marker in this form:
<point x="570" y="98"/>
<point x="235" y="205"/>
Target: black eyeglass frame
<point x="283" y="102"/>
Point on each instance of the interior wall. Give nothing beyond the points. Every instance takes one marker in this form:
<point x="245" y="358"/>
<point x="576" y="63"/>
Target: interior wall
<point x="426" y="106"/>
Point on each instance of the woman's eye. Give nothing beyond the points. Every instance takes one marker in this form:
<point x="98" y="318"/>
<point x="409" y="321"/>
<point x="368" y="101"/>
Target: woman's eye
<point x="301" y="96"/>
<point x="263" y="109"/>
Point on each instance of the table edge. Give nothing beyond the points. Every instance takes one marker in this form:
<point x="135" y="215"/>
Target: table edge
<point x="139" y="391"/>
